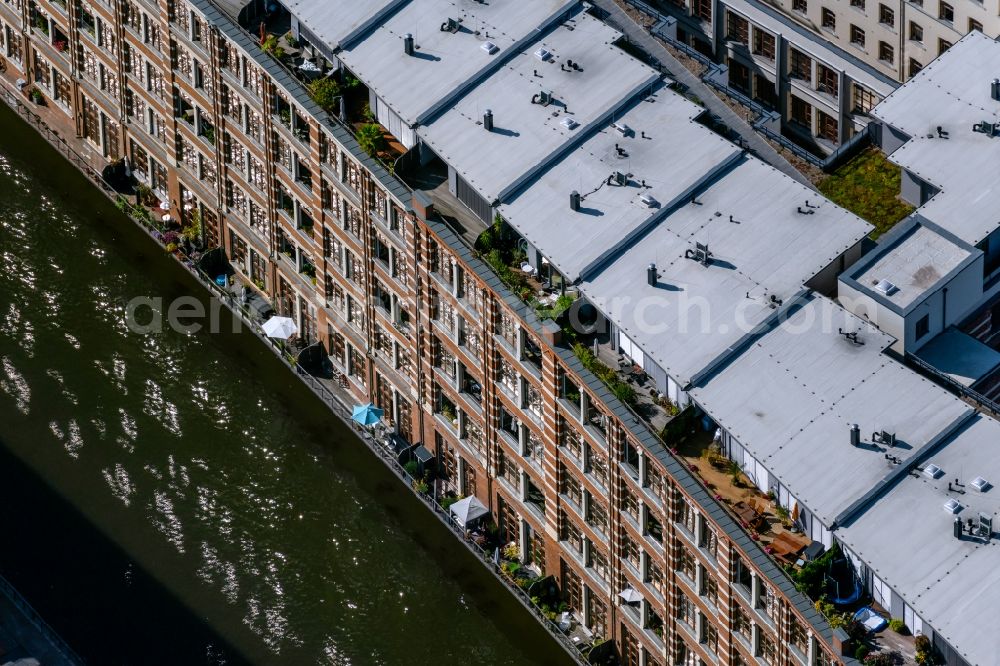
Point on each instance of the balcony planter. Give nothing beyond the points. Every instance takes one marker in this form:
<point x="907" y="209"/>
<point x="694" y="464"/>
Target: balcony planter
<point x="36" y="96"/>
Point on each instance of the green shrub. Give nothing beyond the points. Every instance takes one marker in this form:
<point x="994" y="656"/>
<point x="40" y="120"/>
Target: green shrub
<point x="325" y="93"/>
<point x="624" y="392"/>
<point x="371" y="138"/>
<point x="861" y="652"/>
<point x="897" y="625"/>
<point x="412" y="468"/>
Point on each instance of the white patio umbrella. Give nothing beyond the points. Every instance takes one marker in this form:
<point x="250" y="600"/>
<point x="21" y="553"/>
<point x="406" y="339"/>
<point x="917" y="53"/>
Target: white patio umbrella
<point x="468" y="509"/>
<point x="630" y="595"/>
<point x="280" y="328"/>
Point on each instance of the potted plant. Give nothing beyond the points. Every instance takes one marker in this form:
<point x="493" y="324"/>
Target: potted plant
<point x="36" y="96"/>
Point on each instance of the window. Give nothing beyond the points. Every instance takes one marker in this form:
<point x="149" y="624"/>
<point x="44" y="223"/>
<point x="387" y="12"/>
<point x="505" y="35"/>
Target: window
<point x="885" y="52"/>
<point x="916" y="32"/>
<point x="864" y="99"/>
<point x="858" y="4"/>
<point x="737" y="28"/>
<point x="763" y="44"/>
<point x="914" y="67"/>
<point x="827" y="80"/>
<point x="829" y="19"/>
<point x="975" y="25"/>
<point x="943" y="45"/>
<point x="828" y="127"/>
<point x="702" y="9"/>
<point x="857" y="36"/>
<point x="923" y="326"/>
<point x="739" y="76"/>
<point x="946" y="12"/>
<point x="801" y="112"/>
<point x="886" y="16"/>
<point x="801" y="65"/>
<point x="800" y="6"/>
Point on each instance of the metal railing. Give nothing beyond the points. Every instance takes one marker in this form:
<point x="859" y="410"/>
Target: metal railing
<point x="950" y="382"/>
<point x="38" y="622"/>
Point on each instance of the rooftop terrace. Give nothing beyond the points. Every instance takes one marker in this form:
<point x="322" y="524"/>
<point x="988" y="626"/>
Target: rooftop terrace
<point x="528" y="131"/>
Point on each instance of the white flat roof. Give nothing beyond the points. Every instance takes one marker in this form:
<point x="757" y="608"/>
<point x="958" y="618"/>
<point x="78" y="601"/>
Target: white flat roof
<point x="336" y="21"/>
<point x="761" y="246"/>
<point x="443" y="61"/>
<point x="790" y="399"/>
<point x="907" y="540"/>
<point x="526" y="134"/>
<point x="660" y="129"/>
<point x="953" y="93"/>
<point x="913" y="265"/>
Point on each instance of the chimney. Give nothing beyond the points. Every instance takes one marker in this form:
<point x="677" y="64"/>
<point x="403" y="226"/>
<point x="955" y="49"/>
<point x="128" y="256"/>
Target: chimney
<point x="651" y="276"/>
<point x="574" y="200"/>
<point x="855" y="435"/>
<point x="995" y="89"/>
<point x="488" y="120"/>
<point x="408" y="44"/>
<point x="957" y="527"/>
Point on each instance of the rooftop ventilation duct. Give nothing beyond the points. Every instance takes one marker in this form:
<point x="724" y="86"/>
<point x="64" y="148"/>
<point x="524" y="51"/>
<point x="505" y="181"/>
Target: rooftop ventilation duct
<point x="488" y="120"/>
<point x="700" y="253"/>
<point x="568" y="123"/>
<point x="619" y="178"/>
<point x="451" y="25"/>
<point x="543" y="54"/>
<point x="574" y="200"/>
<point x="855" y="435"/>
<point x="408" y="44"/>
<point x="995" y="89"/>
<point x="649" y="200"/>
<point x="489" y="47"/>
<point x="651" y="275"/>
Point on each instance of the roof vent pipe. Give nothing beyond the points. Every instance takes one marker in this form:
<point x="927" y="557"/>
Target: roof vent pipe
<point x="855" y="435"/>
<point x="574" y="200"/>
<point x="408" y="44"/>
<point x="995" y="89"/>
<point x="957" y="527"/>
<point x="651" y="275"/>
<point x="488" y="120"/>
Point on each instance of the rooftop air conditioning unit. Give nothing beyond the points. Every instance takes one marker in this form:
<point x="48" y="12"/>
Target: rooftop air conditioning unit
<point x="543" y="54"/>
<point x="569" y="123"/>
<point x="953" y="506"/>
<point x="980" y="484"/>
<point x="886" y="287"/>
<point x="489" y="47"/>
<point x="619" y="178"/>
<point x="932" y="471"/>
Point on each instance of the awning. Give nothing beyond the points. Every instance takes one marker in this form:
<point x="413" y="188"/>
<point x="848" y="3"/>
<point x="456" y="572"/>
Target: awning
<point x="468" y="509"/>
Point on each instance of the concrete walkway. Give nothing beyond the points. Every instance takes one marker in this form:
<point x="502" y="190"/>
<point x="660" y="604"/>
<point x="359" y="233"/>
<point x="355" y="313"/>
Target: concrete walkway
<point x="756" y="144"/>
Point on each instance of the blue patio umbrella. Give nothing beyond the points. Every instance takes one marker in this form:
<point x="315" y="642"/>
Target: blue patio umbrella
<point x="367" y="415"/>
